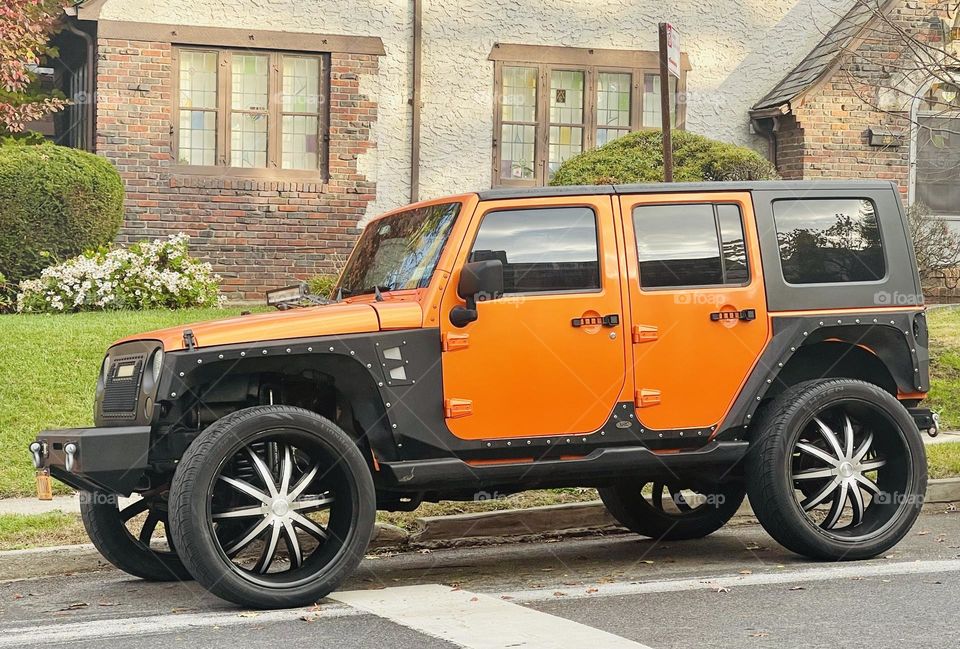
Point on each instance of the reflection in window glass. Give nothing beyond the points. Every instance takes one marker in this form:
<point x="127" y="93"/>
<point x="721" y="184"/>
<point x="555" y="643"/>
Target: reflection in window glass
<point x="677" y="245"/>
<point x="734" y="248"/>
<point x="829" y="240"/>
<point x="552" y="249"/>
<point x="399" y="251"/>
<point x="613" y="105"/>
<point x="680" y="245"/>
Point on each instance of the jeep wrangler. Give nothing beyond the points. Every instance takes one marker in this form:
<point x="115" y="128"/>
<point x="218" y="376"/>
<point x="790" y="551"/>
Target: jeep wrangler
<point x="675" y="346"/>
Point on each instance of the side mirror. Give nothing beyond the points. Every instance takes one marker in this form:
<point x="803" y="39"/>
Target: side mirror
<point x="479" y="281"/>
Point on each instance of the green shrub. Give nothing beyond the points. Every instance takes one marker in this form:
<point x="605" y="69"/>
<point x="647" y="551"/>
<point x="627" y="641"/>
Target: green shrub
<point x="147" y="275"/>
<point x="638" y="158"/>
<point x="55" y="202"/>
<point x="322" y="285"/>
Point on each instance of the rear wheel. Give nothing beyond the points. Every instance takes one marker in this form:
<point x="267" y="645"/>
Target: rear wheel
<point x="837" y="470"/>
<point x="135" y="538"/>
<point x="672" y="512"/>
<point x="274" y="507"/>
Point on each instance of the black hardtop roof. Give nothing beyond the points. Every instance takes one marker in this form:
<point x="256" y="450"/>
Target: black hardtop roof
<point x="804" y="186"/>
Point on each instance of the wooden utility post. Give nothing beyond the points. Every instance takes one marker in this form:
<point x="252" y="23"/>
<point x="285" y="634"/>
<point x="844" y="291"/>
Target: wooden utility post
<point x="669" y="64"/>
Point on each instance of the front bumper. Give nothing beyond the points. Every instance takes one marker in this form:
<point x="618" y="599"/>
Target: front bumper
<point x="112" y="460"/>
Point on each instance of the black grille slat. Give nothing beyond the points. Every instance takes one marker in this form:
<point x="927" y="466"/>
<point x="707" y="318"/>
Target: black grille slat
<point x="121" y="394"/>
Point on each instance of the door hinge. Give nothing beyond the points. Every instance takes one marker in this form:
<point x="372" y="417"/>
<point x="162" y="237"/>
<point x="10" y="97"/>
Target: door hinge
<point x="646" y="397"/>
<point x="453" y="408"/>
<point x="645" y="333"/>
<point x="454" y="341"/>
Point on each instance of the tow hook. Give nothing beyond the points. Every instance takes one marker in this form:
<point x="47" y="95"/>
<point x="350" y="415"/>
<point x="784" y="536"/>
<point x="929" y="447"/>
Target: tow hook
<point x="70" y="453"/>
<point x="35" y="449"/>
<point x="934" y="430"/>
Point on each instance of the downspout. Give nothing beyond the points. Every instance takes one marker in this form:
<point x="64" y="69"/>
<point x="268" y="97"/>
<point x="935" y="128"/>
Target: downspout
<point x="415" y="101"/>
<point x="768" y="127"/>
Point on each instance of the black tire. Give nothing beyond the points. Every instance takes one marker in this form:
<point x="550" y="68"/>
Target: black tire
<point x="198" y="483"/>
<point x="630" y="507"/>
<point x="784" y="480"/>
<point x="107" y="527"/>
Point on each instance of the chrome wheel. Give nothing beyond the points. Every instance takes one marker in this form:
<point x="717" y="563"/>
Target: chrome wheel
<point x="849" y="470"/>
<point x="272" y="511"/>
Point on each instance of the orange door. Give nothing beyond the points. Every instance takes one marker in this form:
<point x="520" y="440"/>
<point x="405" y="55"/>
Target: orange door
<point x="539" y="360"/>
<point x="697" y="304"/>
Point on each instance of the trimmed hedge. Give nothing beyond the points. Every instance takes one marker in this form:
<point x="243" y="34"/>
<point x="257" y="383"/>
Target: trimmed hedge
<point x="55" y="203"/>
<point x="638" y="158"/>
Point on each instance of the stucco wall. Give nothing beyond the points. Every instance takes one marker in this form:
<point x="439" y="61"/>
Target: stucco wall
<point x="738" y="49"/>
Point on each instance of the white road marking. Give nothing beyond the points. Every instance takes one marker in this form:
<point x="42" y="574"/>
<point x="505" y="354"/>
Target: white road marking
<point x="477" y="621"/>
<point x="66" y="632"/>
<point x="488" y="622"/>
<point x="775" y="576"/>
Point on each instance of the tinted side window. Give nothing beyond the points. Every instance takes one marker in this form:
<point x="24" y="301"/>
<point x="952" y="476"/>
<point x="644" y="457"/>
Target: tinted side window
<point x="551" y="249"/>
<point x="829" y="240"/>
<point x="690" y="245"/>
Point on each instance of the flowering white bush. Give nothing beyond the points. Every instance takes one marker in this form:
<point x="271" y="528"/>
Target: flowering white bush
<point x="147" y="275"/>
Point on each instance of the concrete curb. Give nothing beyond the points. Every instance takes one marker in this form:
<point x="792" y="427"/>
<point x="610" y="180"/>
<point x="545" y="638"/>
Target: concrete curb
<point x="511" y="525"/>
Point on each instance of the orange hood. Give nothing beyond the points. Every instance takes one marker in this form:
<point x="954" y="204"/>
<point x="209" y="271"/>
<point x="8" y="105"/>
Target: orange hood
<point x="327" y="320"/>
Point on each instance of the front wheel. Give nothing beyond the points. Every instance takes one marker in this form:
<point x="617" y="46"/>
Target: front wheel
<point x="837" y="470"/>
<point x="127" y="536"/>
<point x="273" y="507"/>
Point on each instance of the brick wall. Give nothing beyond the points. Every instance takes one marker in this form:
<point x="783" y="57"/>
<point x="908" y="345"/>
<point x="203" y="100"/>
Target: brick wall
<point x="827" y="135"/>
<point x="258" y="234"/>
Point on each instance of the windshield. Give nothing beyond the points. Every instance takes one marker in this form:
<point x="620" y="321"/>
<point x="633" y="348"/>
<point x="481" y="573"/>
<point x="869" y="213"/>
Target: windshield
<point x="399" y="251"/>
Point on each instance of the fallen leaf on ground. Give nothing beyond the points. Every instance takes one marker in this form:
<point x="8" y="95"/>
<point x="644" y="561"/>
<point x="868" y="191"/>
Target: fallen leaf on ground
<point x="759" y="634"/>
<point x="75" y="606"/>
<point x="746" y="572"/>
<point x="923" y="532"/>
<point x="559" y="594"/>
<point x="593" y="590"/>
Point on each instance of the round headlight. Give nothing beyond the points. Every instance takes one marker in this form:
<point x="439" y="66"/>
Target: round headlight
<point x="157" y="365"/>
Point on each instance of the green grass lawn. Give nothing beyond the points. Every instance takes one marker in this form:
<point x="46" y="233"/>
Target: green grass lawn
<point x="48" y="372"/>
<point x="945" y="365"/>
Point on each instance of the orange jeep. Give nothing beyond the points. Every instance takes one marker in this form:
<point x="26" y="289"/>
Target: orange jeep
<point x="676" y="346"/>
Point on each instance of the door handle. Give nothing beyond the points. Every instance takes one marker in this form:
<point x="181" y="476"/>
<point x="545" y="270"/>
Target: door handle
<point x="744" y="314"/>
<point x="611" y="320"/>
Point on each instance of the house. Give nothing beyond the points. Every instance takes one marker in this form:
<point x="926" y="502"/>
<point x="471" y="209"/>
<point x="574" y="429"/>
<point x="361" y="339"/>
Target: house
<point x="270" y="130"/>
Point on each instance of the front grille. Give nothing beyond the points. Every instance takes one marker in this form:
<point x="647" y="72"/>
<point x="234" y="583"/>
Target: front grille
<point x="121" y="391"/>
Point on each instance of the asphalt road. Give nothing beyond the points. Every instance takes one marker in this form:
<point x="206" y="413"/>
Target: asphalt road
<point x="736" y="588"/>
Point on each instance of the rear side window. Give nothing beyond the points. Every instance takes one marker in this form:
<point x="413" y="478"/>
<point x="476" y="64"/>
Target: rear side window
<point x="550" y="249"/>
<point x="825" y="240"/>
<point x="690" y="245"/>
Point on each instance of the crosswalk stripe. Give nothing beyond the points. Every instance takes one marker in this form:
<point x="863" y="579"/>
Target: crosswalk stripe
<point x="477" y="621"/>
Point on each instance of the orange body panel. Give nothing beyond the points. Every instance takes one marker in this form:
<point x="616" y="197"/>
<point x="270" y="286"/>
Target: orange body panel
<point x="330" y="319"/>
<point x="526" y="369"/>
<point x="696" y="365"/>
<point x="399" y="312"/>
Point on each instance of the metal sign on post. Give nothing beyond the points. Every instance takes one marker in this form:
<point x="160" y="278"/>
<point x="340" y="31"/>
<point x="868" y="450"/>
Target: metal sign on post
<point x="669" y="65"/>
